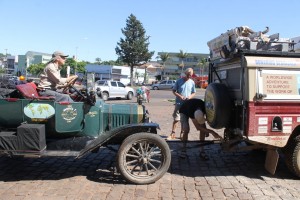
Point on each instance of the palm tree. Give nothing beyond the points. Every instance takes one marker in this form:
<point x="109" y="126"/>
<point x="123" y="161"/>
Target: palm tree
<point x="164" y="57"/>
<point x="182" y="56"/>
<point x="202" y="64"/>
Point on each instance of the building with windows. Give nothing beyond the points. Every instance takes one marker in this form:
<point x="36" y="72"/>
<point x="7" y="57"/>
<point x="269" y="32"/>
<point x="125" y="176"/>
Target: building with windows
<point x="30" y="58"/>
<point x="173" y="66"/>
<point x="9" y="64"/>
<point x="12" y="64"/>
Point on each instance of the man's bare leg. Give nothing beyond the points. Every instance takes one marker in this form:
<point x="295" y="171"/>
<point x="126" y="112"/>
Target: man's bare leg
<point x="184" y="141"/>
<point x="202" y="151"/>
<point x="174" y="126"/>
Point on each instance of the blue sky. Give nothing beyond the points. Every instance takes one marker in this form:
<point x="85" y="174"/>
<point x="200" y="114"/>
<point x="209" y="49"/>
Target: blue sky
<point x="92" y="28"/>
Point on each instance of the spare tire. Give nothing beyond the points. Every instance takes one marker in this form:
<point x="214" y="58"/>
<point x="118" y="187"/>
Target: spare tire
<point x="217" y="105"/>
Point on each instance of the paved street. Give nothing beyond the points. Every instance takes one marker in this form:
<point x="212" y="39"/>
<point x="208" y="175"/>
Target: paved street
<point x="224" y="176"/>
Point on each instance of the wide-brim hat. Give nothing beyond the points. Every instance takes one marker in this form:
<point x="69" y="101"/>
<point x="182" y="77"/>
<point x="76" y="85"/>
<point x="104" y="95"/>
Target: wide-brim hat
<point x="199" y="116"/>
<point x="57" y="54"/>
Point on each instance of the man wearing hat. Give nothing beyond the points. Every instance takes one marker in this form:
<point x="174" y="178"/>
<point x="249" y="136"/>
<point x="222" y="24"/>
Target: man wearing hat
<point x="51" y="80"/>
<point x="194" y="109"/>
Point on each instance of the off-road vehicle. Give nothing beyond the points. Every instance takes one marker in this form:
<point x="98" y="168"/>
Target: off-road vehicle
<point x="254" y="94"/>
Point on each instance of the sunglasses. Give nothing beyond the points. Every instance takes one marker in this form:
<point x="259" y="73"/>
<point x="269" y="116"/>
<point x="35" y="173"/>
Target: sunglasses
<point x="64" y="58"/>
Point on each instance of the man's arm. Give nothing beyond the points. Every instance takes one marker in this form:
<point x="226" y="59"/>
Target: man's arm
<point x="192" y="95"/>
<point x="178" y="95"/>
<point x="202" y="128"/>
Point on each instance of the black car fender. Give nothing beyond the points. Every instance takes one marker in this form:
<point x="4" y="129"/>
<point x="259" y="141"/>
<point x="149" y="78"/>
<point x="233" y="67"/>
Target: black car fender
<point x="117" y="135"/>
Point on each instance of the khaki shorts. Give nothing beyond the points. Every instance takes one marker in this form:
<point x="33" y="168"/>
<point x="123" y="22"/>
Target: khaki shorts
<point x="176" y="114"/>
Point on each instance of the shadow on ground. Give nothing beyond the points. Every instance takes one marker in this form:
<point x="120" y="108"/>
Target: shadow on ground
<point x="100" y="167"/>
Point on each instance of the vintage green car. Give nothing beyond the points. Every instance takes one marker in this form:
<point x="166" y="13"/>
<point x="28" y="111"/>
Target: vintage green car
<point x="39" y="126"/>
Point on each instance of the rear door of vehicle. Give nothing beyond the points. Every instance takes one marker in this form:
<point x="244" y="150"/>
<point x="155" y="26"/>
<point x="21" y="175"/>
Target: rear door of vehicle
<point x="114" y="89"/>
<point x="274" y="100"/>
<point x="122" y="90"/>
<point x="163" y="85"/>
<point x="169" y="84"/>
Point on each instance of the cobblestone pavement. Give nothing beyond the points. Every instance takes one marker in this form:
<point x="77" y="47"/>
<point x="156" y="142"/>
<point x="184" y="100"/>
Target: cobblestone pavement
<point x="223" y="176"/>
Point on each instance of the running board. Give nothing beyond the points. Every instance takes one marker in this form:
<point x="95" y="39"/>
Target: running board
<point x="60" y="153"/>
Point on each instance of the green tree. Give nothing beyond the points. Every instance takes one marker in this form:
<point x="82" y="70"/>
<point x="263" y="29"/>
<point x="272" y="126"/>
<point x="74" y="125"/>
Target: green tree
<point x="182" y="56"/>
<point x="78" y="67"/>
<point x="202" y="64"/>
<point x="133" y="49"/>
<point x="98" y="61"/>
<point x="4" y="55"/>
<point x="36" y="69"/>
<point x="164" y="57"/>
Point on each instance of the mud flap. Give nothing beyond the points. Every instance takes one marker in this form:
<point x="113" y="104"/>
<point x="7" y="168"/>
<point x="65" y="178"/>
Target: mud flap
<point x="271" y="160"/>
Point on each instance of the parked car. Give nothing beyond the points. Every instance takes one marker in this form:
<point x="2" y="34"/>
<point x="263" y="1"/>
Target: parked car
<point x="113" y="89"/>
<point x="163" y="85"/>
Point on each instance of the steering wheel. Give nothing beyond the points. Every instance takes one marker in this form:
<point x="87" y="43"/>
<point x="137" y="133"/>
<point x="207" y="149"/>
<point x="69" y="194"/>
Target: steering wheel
<point x="69" y="84"/>
<point x="87" y="98"/>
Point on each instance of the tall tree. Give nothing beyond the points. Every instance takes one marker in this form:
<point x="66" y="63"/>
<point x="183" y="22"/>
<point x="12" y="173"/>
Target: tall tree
<point x="164" y="57"/>
<point x="98" y="61"/>
<point x="133" y="49"/>
<point x="202" y="64"/>
<point x="182" y="56"/>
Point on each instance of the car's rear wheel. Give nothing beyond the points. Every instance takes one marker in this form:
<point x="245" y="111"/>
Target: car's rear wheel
<point x="292" y="155"/>
<point x="143" y="158"/>
<point x="129" y="95"/>
<point x="105" y="96"/>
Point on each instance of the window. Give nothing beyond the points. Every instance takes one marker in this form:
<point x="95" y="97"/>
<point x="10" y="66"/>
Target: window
<point x="121" y="84"/>
<point x="114" y="84"/>
<point x="101" y="83"/>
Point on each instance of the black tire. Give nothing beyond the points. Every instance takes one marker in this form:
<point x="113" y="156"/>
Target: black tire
<point x="155" y="88"/>
<point x="217" y="105"/>
<point x="129" y="95"/>
<point x="139" y="100"/>
<point x="105" y="96"/>
<point x="143" y="158"/>
<point x="292" y="156"/>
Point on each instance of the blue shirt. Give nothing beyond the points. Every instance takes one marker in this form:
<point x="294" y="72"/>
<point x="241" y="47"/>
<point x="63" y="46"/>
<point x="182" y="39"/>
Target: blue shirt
<point x="185" y="88"/>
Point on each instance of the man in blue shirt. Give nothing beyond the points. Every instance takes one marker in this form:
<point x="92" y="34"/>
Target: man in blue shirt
<point x="183" y="89"/>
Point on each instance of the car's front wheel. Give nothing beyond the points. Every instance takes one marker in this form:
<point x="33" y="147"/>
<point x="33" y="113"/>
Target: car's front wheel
<point x="143" y="158"/>
<point x="155" y="88"/>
